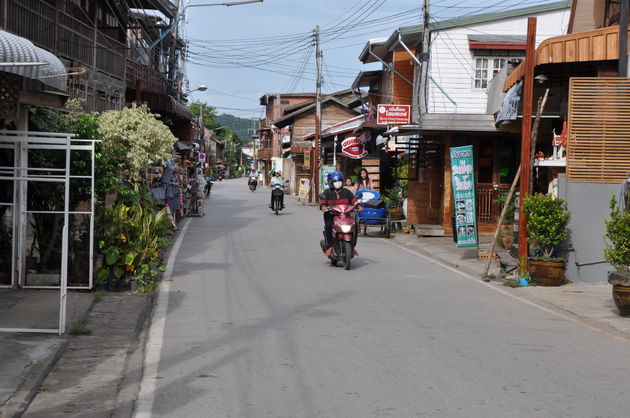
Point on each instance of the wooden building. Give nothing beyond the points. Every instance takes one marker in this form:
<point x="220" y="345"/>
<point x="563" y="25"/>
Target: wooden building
<point x="466" y="56"/>
<point x="581" y="69"/>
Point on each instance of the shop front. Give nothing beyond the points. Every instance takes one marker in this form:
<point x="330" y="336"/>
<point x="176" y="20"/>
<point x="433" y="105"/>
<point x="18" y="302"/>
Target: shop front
<point x="495" y="157"/>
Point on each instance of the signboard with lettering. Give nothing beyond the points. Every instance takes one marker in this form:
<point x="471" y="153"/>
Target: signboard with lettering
<point x="305" y="185"/>
<point x="393" y="114"/>
<point x="323" y="179"/>
<point x="463" y="175"/>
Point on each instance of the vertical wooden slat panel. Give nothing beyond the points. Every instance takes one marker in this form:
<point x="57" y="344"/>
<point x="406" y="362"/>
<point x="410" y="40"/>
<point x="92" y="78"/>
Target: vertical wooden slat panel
<point x="599" y="130"/>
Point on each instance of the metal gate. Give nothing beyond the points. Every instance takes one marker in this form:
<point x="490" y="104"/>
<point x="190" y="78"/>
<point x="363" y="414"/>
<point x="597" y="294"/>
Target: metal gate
<point x="21" y="176"/>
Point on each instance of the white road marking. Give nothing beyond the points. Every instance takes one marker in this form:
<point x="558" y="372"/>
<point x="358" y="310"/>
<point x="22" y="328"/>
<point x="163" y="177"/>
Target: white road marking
<point x="153" y="348"/>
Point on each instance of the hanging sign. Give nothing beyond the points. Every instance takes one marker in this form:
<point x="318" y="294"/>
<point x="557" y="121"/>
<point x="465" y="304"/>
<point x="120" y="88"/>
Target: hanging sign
<point x="307" y="159"/>
<point x="393" y="114"/>
<point x="463" y="176"/>
<point x="353" y="146"/>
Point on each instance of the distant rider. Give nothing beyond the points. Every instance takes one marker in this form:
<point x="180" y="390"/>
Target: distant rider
<point x="335" y="195"/>
<point x="277" y="180"/>
<point x="253" y="177"/>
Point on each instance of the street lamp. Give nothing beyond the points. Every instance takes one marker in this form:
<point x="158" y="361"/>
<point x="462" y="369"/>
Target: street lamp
<point x="228" y="4"/>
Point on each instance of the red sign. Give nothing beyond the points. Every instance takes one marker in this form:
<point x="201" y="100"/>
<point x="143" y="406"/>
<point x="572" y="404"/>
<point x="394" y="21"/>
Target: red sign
<point x="354" y="147"/>
<point x="393" y="114"/>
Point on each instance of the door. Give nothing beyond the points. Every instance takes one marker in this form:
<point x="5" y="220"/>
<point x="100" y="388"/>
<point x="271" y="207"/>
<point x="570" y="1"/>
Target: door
<point x="496" y="162"/>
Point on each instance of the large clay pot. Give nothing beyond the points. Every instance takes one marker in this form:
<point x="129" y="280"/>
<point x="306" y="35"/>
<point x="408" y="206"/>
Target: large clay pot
<point x="621" y="291"/>
<point x="621" y="296"/>
<point x="547" y="273"/>
<point x="395" y="214"/>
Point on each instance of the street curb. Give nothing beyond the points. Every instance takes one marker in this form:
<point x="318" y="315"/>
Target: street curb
<point x="133" y="372"/>
<point x="129" y="383"/>
<point x="442" y="260"/>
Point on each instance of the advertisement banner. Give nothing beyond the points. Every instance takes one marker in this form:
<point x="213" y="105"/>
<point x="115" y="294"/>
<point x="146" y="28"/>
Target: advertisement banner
<point x="324" y="171"/>
<point x="305" y="185"/>
<point x="463" y="175"/>
<point x="353" y="146"/>
<point x="393" y="114"/>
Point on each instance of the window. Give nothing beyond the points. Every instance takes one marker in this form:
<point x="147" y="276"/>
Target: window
<point x="486" y="68"/>
<point x="111" y="21"/>
<point x="481" y="73"/>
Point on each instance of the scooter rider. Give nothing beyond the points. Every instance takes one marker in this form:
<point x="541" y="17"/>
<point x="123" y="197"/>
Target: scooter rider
<point x="277" y="180"/>
<point x="336" y="194"/>
<point x="253" y="177"/>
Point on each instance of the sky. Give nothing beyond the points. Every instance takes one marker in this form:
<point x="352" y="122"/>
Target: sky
<point x="242" y="52"/>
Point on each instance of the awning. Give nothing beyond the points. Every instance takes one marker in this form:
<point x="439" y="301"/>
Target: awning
<point x="19" y="56"/>
<point x="354" y="124"/>
<point x="595" y="45"/>
<point x="447" y="122"/>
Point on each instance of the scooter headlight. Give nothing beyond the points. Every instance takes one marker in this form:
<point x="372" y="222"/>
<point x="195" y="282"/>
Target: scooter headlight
<point x="345" y="228"/>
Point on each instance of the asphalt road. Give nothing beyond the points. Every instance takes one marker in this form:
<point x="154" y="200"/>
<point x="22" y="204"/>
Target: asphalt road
<point x="260" y="325"/>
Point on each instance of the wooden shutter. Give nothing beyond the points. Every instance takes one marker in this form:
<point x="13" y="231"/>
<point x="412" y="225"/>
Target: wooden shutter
<point x="599" y="130"/>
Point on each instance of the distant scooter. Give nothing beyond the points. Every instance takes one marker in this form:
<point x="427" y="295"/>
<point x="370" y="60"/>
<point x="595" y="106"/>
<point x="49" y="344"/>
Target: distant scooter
<point x="277" y="197"/>
<point x="253" y="184"/>
<point x="344" y="235"/>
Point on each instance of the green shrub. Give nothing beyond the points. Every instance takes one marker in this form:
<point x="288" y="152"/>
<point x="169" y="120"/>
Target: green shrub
<point x="546" y="224"/>
<point x="132" y="238"/>
<point x="617" y="238"/>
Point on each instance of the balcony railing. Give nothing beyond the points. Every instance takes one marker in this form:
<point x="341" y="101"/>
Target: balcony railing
<point x="63" y="35"/>
<point x="148" y="78"/>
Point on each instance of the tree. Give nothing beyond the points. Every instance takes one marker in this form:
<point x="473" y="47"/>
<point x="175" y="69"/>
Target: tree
<point x="144" y="138"/>
<point x="209" y="114"/>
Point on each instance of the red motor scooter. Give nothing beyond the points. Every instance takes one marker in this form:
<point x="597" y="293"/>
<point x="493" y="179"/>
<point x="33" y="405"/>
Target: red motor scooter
<point x="344" y="235"/>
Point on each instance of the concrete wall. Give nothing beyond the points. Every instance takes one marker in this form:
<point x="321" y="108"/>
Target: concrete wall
<point x="588" y="203"/>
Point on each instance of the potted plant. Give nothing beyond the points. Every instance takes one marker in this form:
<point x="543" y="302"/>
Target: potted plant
<point x="507" y="238"/>
<point x="507" y="226"/>
<point x="393" y="199"/>
<point x="547" y="229"/>
<point x="617" y="254"/>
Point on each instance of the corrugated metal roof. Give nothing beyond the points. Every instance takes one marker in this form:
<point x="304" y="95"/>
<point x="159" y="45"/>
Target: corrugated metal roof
<point x="32" y="62"/>
<point x="488" y="17"/>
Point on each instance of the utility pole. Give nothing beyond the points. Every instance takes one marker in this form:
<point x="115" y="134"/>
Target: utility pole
<point x="172" y="56"/>
<point x="623" y="39"/>
<point x="318" y="114"/>
<point x="526" y="133"/>
<point x="424" y="62"/>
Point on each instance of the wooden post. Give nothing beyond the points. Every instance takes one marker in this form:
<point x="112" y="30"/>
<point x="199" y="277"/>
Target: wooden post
<point x="623" y="39"/>
<point x="528" y="93"/>
<point x="501" y="217"/>
<point x="532" y="152"/>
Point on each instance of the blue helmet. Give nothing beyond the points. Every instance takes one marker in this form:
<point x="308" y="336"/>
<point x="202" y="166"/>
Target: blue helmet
<point x="335" y="180"/>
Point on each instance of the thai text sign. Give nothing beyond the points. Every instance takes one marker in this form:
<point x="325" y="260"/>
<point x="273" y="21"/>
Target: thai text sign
<point x="305" y="185"/>
<point x="463" y="176"/>
<point x="323" y="179"/>
<point x="393" y="114"/>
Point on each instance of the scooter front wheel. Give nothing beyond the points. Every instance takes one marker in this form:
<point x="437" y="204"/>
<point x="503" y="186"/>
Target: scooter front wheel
<point x="347" y="255"/>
